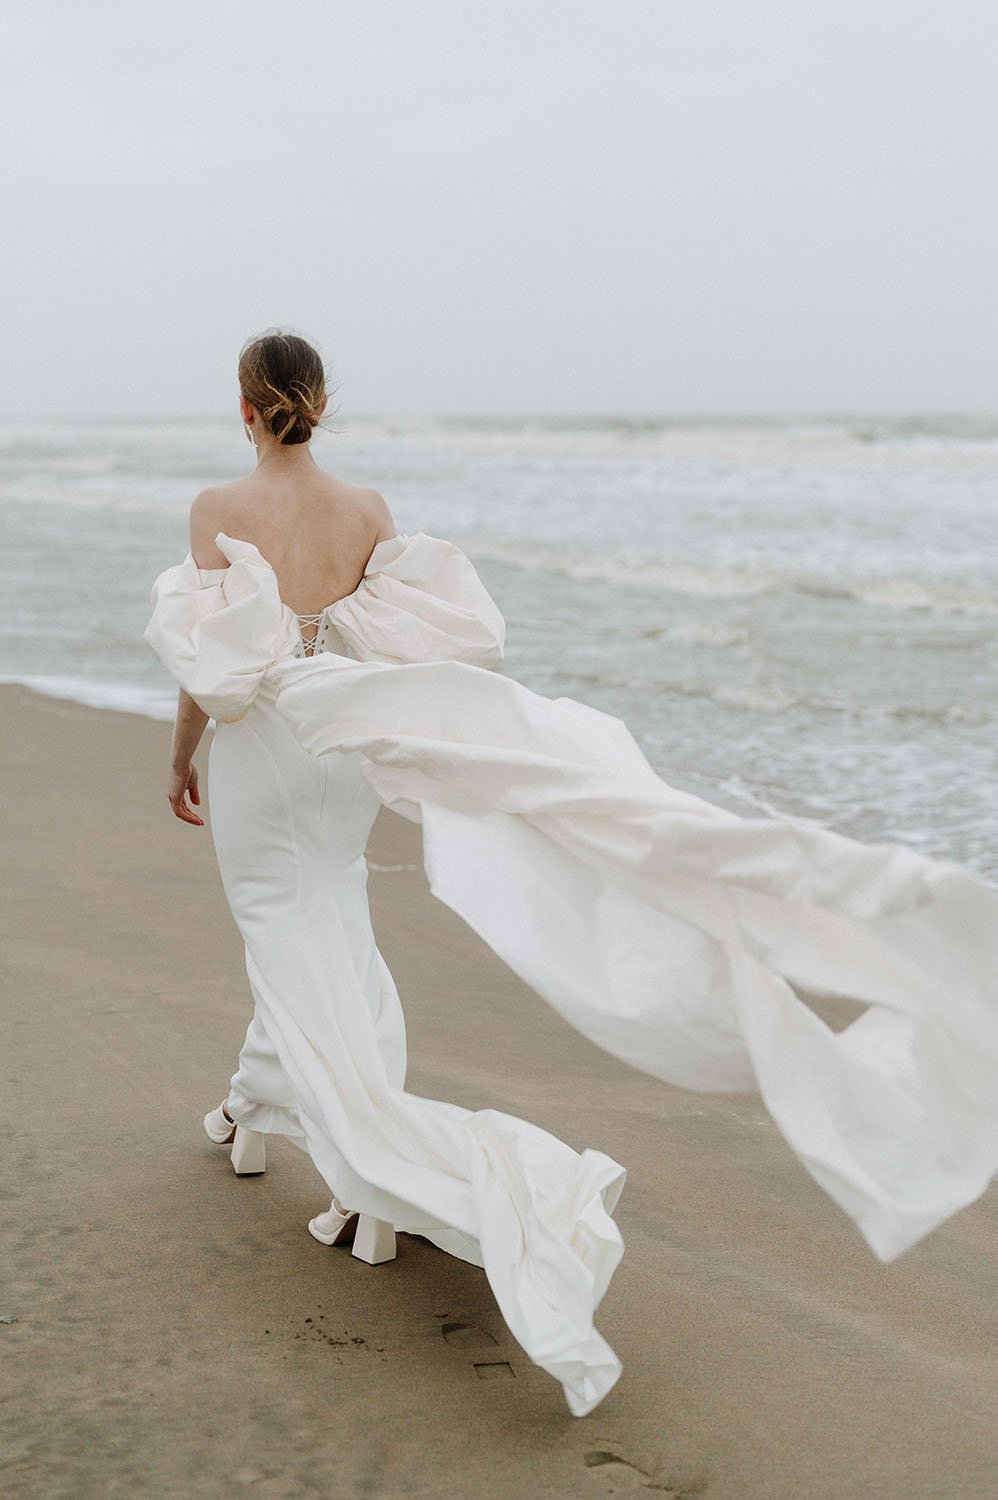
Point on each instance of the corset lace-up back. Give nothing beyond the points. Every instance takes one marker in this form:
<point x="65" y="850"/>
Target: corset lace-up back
<point x="309" y="642"/>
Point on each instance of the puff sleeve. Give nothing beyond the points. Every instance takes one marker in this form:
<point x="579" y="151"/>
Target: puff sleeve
<point x="217" y="630"/>
<point x="420" y="600"/>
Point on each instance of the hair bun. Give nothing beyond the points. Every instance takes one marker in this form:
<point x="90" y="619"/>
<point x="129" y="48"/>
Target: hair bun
<point x="282" y="376"/>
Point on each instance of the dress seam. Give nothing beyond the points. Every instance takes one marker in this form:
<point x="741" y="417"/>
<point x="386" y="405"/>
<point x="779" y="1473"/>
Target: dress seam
<point x="324" y="762"/>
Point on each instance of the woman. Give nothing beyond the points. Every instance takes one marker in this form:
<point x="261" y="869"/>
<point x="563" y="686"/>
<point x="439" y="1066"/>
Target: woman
<point x="347" y="666"/>
<point x="319" y="533"/>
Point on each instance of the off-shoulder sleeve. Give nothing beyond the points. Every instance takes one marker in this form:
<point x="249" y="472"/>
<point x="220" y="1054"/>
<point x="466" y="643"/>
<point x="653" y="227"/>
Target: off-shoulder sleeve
<point x="420" y="600"/>
<point x="217" y="630"/>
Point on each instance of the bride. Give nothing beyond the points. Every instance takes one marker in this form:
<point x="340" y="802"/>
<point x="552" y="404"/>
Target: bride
<point x="348" y="666"/>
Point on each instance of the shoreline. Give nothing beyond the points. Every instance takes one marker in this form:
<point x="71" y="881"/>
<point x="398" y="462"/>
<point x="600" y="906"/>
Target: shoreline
<point x="111" y="697"/>
<point x="179" y="1333"/>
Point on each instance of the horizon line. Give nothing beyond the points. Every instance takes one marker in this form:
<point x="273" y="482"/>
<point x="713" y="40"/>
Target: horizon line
<point x="704" y="414"/>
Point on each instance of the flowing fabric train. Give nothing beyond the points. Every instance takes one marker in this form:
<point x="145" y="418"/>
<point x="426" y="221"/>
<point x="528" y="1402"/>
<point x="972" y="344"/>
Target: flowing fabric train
<point x="670" y="932"/>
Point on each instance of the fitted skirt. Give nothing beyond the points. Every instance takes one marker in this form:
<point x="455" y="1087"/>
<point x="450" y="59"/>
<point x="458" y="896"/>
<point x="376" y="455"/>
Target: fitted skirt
<point x="324" y="1060"/>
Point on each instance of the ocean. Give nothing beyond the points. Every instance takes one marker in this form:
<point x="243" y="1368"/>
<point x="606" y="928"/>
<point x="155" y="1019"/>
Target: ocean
<point x="790" y="616"/>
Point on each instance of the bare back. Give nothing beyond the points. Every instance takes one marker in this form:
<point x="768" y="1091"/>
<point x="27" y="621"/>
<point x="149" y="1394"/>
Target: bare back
<point x="316" y="531"/>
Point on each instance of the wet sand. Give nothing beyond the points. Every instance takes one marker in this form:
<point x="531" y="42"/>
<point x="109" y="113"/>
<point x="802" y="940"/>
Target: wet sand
<point x="179" y="1334"/>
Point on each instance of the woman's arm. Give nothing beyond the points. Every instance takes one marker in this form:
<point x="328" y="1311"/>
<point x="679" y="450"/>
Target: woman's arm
<point x="205" y="522"/>
<point x="187" y="732"/>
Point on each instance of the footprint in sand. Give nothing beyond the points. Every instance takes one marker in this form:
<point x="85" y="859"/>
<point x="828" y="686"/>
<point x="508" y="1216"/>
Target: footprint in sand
<point x="614" y="1475"/>
<point x="466" y="1336"/>
<point x="618" y="1476"/>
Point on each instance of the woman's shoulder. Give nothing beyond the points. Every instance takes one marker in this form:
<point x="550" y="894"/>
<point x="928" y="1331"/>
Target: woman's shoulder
<point x="215" y="509"/>
<point x="377" y="509"/>
<point x="361" y="500"/>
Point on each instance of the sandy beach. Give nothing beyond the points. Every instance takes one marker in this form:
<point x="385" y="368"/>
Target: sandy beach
<point x="179" y="1334"/>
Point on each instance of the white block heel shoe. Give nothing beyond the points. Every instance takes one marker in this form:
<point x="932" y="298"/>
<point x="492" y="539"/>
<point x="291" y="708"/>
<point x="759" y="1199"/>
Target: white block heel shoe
<point x="249" y="1151"/>
<point x="373" y="1239"/>
<point x="218" y="1127"/>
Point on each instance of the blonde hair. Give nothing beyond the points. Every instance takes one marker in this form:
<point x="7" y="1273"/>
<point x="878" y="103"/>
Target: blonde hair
<point x="282" y="376"/>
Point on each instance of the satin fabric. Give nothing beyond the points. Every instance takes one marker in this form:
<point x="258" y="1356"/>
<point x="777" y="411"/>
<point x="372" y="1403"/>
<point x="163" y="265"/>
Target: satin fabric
<point x="671" y="932"/>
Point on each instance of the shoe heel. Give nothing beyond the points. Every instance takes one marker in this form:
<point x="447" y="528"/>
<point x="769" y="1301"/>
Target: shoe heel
<point x="374" y="1240"/>
<point x="249" y="1152"/>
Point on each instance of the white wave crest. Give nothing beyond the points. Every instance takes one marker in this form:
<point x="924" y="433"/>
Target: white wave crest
<point x="719" y="582"/>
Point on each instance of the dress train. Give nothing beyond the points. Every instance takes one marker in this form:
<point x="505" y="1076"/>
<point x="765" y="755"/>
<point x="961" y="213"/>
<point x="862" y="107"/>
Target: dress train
<point x="675" y="935"/>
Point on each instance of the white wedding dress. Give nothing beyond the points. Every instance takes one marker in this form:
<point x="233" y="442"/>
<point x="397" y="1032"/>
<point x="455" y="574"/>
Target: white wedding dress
<point x="670" y="932"/>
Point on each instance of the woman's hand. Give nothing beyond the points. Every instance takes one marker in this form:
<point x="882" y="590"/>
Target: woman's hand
<point x="184" y="778"/>
<point x="187" y="732"/>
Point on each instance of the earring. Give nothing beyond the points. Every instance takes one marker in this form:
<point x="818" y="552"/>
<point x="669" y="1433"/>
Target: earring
<point x="249" y="435"/>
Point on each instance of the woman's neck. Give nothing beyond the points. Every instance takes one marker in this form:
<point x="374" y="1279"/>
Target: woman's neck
<point x="284" y="458"/>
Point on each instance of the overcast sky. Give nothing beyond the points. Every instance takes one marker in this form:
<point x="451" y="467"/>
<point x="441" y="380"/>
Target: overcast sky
<point x="503" y="205"/>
